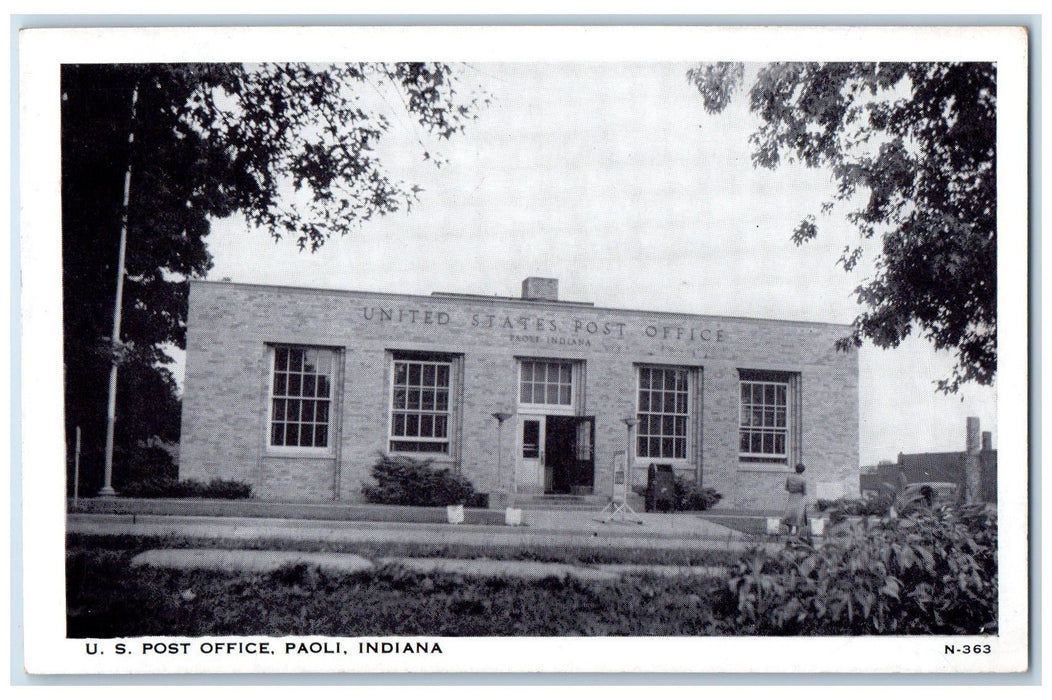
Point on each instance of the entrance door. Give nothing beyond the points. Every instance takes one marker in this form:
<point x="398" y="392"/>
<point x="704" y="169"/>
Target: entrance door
<point x="569" y="454"/>
<point x="531" y="475"/>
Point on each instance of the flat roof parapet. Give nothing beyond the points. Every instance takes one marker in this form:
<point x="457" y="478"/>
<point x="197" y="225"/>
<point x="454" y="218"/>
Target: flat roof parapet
<point x="296" y="289"/>
<point x="496" y="297"/>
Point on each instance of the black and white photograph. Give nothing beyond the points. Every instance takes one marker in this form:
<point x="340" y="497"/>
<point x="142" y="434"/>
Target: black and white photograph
<point x="523" y="349"/>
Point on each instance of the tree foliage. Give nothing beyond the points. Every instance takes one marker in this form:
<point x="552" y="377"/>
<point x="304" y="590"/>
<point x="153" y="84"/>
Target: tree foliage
<point x="313" y="129"/>
<point x="292" y="147"/>
<point x="911" y="147"/>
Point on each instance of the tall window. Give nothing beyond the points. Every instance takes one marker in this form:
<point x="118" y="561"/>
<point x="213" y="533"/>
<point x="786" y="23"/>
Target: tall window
<point x="662" y="409"/>
<point x="546" y="382"/>
<point x="763" y="432"/>
<point x="420" y="405"/>
<point x="301" y="395"/>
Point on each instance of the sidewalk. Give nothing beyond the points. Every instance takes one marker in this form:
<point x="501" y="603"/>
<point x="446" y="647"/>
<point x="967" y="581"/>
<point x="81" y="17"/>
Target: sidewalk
<point x="661" y="531"/>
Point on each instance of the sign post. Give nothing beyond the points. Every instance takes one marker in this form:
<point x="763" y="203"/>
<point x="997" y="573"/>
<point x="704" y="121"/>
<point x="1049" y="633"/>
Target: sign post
<point x="622" y="478"/>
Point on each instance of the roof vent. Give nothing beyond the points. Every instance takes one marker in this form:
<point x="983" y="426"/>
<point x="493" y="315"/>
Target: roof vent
<point x="540" y="289"/>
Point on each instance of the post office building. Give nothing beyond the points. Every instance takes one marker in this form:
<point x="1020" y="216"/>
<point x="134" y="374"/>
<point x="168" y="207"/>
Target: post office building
<point x="298" y="391"/>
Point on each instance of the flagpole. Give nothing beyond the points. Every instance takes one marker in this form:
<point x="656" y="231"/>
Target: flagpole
<point x="115" y="337"/>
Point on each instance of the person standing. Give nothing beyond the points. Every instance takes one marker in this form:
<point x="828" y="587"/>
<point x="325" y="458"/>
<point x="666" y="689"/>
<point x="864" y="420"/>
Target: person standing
<point x="796" y="504"/>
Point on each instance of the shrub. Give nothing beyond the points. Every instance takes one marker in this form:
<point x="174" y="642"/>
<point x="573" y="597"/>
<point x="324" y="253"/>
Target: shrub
<point x="141" y="463"/>
<point x="477" y="500"/>
<point x="231" y="490"/>
<point x="164" y="487"/>
<point x="933" y="573"/>
<point x="405" y="481"/>
<point x="154" y="487"/>
<point x="689" y="496"/>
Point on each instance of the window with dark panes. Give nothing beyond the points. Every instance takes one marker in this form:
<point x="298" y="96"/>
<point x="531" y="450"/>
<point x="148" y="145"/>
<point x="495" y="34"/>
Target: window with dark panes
<point x="531" y="439"/>
<point x="420" y="405"/>
<point x="662" y="409"/>
<point x="301" y="396"/>
<point x="763" y="430"/>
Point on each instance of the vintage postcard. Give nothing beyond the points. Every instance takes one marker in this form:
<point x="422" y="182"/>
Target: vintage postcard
<point x="524" y="349"/>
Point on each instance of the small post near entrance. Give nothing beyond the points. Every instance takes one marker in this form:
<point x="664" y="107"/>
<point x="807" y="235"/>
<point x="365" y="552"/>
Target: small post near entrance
<point x="622" y="477"/>
<point x="501" y="416"/>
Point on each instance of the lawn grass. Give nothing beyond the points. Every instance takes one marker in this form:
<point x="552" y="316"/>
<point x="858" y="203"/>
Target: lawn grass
<point x="107" y="598"/>
<point x="746" y="524"/>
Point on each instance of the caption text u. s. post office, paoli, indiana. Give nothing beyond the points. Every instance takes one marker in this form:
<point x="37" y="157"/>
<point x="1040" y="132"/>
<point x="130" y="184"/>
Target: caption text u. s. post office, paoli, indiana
<point x="297" y="391"/>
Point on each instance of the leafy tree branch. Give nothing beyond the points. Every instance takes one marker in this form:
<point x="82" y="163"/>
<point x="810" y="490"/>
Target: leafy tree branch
<point x="293" y="147"/>
<point x="916" y="143"/>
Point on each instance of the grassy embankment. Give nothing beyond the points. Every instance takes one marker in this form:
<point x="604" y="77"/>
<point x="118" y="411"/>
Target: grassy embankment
<point x="107" y="598"/>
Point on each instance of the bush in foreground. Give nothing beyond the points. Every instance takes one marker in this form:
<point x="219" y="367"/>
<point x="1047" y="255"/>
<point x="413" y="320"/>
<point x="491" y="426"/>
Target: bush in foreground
<point x="162" y="487"/>
<point x="934" y="572"/>
<point x="404" y="481"/>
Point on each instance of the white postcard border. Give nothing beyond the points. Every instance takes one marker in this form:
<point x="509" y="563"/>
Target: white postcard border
<point x="43" y="51"/>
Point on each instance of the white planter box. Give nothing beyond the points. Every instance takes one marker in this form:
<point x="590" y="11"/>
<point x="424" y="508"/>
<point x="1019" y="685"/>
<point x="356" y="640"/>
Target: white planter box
<point x="455" y="514"/>
<point x="818" y="526"/>
<point x="513" y="516"/>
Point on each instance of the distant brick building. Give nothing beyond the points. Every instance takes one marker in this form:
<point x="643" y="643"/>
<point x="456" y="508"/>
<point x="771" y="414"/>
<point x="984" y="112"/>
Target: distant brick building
<point x="934" y="466"/>
<point x="296" y="391"/>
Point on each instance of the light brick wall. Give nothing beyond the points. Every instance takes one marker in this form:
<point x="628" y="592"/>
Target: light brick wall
<point x="231" y="326"/>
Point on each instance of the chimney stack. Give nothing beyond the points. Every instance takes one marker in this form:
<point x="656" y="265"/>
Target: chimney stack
<point x="540" y="289"/>
<point x="972" y="435"/>
<point x="988" y="441"/>
<point x="972" y="479"/>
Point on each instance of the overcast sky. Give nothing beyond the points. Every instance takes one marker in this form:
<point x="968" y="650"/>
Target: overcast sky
<point x="613" y="179"/>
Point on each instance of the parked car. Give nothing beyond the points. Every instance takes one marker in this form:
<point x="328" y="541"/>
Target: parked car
<point x="928" y="494"/>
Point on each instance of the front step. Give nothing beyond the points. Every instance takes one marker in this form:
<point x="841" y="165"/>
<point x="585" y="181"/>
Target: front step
<point x="567" y="502"/>
<point x="558" y="501"/>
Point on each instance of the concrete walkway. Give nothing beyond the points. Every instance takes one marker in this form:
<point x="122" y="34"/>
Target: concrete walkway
<point x="263" y="561"/>
<point x="567" y="529"/>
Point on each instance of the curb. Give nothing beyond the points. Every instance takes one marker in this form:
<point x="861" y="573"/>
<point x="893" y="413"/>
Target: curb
<point x="598" y="535"/>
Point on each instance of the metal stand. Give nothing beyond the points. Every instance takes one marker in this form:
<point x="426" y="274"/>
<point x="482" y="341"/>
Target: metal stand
<point x="620" y="508"/>
<point x="618" y="505"/>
